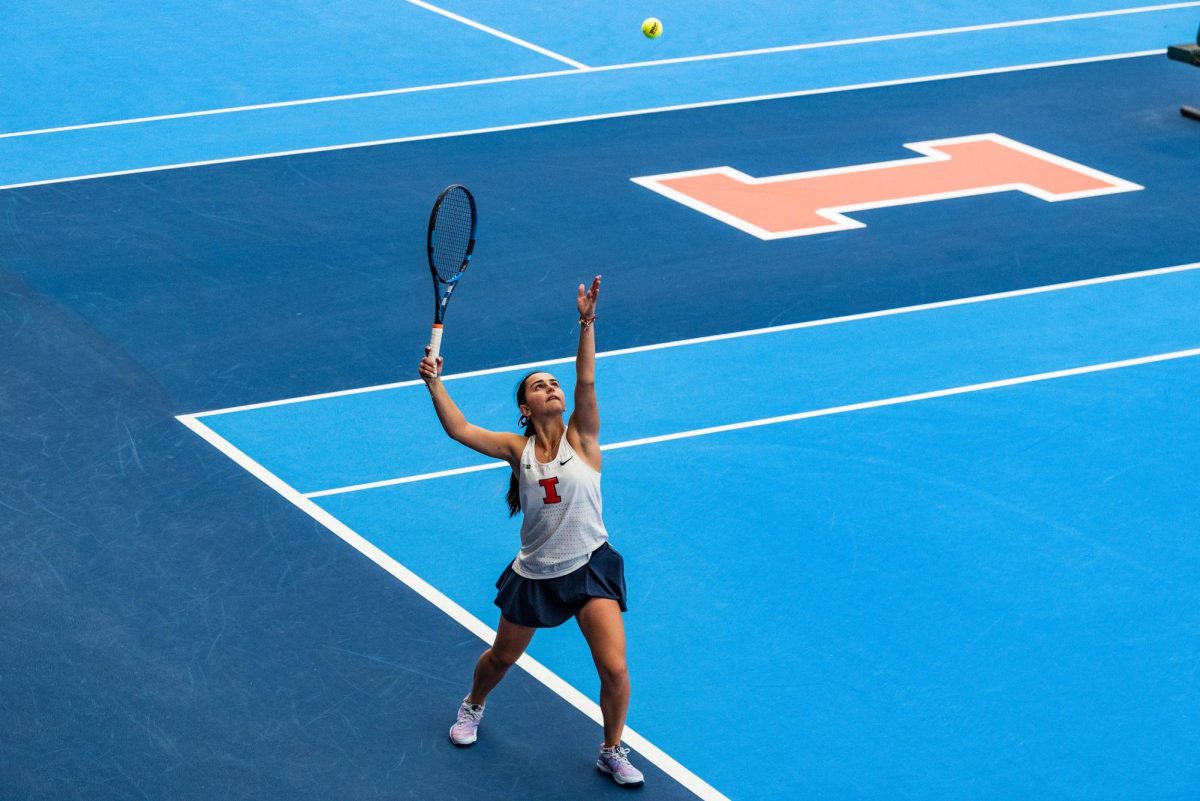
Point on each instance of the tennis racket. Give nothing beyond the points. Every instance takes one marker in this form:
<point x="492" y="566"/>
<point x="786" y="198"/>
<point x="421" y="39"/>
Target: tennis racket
<point x="450" y="242"/>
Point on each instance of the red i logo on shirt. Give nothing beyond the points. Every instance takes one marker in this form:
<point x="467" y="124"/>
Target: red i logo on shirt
<point x="548" y="485"/>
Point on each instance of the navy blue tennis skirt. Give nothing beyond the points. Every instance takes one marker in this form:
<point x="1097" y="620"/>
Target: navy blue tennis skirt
<point x="546" y="603"/>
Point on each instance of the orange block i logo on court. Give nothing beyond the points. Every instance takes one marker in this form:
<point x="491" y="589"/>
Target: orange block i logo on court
<point x="803" y="203"/>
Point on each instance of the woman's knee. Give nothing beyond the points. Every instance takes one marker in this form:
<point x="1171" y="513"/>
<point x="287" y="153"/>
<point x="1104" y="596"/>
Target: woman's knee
<point x="613" y="672"/>
<point x="503" y="658"/>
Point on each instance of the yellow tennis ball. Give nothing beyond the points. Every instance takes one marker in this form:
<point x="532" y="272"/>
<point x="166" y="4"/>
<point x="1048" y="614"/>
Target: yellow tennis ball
<point x="652" y="28"/>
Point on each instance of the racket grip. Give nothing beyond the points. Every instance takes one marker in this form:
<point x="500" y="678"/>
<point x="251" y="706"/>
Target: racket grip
<point x="435" y="343"/>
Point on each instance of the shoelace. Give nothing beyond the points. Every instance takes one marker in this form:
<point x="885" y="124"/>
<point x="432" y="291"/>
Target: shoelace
<point x="467" y="714"/>
<point x="620" y="754"/>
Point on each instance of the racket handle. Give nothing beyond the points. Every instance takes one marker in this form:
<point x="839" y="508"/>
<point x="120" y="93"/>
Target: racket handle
<point x="435" y="343"/>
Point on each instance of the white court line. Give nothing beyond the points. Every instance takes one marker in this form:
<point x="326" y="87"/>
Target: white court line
<point x="506" y="37"/>
<point x="591" y="117"/>
<point x="605" y="116"/>
<point x="608" y="68"/>
<point x="788" y="418"/>
<point x="651" y="752"/>
<point x="288" y="103"/>
<point x="512" y="368"/>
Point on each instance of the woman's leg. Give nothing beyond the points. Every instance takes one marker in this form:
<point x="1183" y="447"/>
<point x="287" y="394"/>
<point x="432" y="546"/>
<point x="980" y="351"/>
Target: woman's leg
<point x="511" y="642"/>
<point x="602" y="627"/>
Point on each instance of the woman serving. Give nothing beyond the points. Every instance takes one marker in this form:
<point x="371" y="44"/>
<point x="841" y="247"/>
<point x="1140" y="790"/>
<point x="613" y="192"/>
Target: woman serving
<point x="565" y="567"/>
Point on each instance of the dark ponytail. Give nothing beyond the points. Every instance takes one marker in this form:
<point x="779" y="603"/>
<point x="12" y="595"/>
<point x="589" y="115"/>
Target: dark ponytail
<point x="514" y="487"/>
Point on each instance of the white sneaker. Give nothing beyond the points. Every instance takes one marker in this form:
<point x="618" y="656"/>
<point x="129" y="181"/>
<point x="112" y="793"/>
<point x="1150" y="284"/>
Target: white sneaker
<point x="615" y="762"/>
<point x="464" y="731"/>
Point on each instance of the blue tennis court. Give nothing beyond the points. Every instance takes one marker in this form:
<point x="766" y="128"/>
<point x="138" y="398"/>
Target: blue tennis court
<point x="906" y="508"/>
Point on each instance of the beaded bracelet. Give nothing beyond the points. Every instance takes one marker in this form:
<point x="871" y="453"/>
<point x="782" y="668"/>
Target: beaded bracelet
<point x="586" y="322"/>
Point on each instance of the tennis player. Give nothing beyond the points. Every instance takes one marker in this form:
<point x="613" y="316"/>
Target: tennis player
<point x="565" y="567"/>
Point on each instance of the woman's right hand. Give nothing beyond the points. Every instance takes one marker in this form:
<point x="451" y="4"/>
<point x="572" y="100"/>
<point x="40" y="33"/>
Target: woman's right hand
<point x="427" y="369"/>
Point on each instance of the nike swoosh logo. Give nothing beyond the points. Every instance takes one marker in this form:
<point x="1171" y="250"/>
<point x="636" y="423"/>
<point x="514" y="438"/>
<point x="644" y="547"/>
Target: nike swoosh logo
<point x="562" y="463"/>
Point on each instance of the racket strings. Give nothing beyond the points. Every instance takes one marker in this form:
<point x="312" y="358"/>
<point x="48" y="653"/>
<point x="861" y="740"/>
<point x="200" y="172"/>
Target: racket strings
<point x="450" y="240"/>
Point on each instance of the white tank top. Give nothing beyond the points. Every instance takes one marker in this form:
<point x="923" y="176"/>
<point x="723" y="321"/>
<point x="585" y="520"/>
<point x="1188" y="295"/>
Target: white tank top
<point x="560" y="502"/>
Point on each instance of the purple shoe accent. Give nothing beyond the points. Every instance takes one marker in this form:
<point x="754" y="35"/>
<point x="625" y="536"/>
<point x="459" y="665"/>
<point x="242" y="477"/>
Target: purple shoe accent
<point x="615" y="762"/>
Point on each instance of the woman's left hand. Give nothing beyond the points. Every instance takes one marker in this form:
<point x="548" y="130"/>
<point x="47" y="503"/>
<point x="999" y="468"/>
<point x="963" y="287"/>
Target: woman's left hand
<point x="587" y="300"/>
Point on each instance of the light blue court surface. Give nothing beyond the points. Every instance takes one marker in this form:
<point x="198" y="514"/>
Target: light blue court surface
<point x="177" y="57"/>
<point x="923" y="596"/>
<point x="399" y="50"/>
<point x="964" y="598"/>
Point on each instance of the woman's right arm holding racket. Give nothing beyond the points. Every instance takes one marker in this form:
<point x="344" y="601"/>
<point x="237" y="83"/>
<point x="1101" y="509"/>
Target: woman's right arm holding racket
<point x="497" y="444"/>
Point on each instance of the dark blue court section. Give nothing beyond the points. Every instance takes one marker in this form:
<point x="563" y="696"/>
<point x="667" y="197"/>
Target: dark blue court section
<point x="170" y="628"/>
<point x="260" y="280"/>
